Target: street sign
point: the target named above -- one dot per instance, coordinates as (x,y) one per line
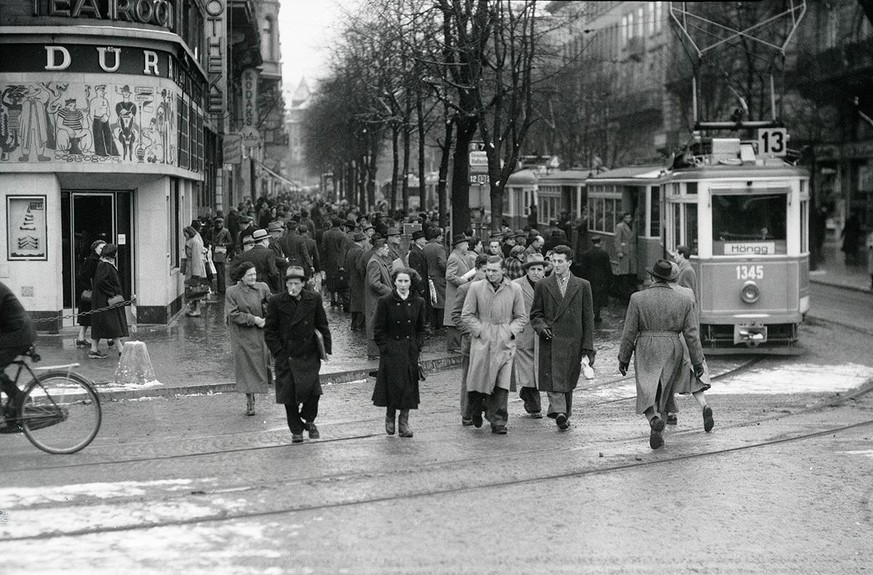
(232,149)
(478,159)
(251,137)
(480,179)
(477,146)
(772,141)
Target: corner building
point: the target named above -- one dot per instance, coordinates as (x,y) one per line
(104,134)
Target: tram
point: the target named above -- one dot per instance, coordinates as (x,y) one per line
(745,218)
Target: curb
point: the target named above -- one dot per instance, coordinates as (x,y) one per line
(213,388)
(837,284)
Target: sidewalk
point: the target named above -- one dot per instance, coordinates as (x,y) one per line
(193,355)
(835,272)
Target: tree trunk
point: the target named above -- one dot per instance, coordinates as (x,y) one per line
(422,180)
(442,195)
(461,174)
(395,165)
(404,184)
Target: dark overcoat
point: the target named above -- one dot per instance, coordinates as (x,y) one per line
(290,334)
(418,262)
(111,323)
(335,245)
(85,281)
(597,270)
(436,270)
(378,283)
(357,273)
(571,319)
(398,329)
(264,261)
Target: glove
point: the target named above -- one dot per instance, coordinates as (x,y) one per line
(698,370)
(622,368)
(546,333)
(590,353)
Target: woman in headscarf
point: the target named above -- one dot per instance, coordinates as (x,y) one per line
(85,283)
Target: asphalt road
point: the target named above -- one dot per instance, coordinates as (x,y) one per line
(189,484)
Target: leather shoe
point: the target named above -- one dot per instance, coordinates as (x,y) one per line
(536,415)
(656,441)
(562,422)
(499,429)
(708,422)
(477,419)
(672,419)
(296,438)
(466,421)
(313,431)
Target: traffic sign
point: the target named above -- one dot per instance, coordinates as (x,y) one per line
(479,159)
(480,179)
(772,142)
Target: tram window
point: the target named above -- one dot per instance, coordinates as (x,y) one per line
(655,221)
(743,224)
(804,226)
(691,227)
(677,225)
(691,188)
(609,215)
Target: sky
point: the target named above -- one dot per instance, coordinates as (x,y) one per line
(306,30)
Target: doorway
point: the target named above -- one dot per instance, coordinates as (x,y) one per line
(88,216)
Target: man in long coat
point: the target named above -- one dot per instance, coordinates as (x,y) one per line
(459,270)
(264,260)
(336,245)
(524,368)
(495,315)
(457,308)
(357,272)
(435,253)
(418,262)
(687,276)
(563,316)
(377,284)
(656,317)
(292,319)
(625,244)
(597,269)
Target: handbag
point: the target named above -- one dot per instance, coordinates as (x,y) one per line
(115,300)
(86,295)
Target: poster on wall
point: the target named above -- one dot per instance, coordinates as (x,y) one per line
(27,235)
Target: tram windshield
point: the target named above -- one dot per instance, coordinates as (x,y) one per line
(749,224)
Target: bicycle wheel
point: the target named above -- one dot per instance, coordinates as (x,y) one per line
(60,412)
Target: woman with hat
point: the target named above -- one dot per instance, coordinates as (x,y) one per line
(245,305)
(85,287)
(111,323)
(398,328)
(656,317)
(195,270)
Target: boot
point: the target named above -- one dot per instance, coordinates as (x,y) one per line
(250,404)
(389,420)
(403,423)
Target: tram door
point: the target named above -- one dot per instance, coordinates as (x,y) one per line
(87,217)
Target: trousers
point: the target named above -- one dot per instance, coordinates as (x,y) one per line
(299,415)
(496,405)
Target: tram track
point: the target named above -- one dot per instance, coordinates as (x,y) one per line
(748,364)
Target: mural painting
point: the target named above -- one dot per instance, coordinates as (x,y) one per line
(67,122)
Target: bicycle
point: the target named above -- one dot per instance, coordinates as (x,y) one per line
(59,411)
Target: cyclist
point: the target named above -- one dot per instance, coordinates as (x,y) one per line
(17,334)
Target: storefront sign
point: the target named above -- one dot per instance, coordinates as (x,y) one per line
(27,235)
(80,58)
(216,59)
(232,149)
(161,13)
(250,98)
(749,248)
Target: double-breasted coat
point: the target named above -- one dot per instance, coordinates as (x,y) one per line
(527,346)
(495,318)
(571,319)
(378,283)
(335,245)
(398,328)
(111,323)
(357,273)
(264,260)
(290,334)
(251,357)
(625,244)
(654,321)
(456,266)
(436,270)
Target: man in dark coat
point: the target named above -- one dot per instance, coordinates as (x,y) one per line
(356,272)
(16,336)
(335,245)
(418,262)
(294,248)
(378,283)
(264,260)
(435,253)
(597,269)
(563,316)
(293,317)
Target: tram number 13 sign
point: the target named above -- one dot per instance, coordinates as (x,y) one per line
(772,142)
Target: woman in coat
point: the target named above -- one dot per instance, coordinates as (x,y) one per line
(245,305)
(112,323)
(398,328)
(195,269)
(85,281)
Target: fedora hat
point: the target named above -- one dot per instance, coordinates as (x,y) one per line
(534,260)
(664,270)
(417,234)
(259,235)
(392,232)
(248,240)
(520,234)
(276,226)
(359,237)
(295,272)
(458,238)
(378,242)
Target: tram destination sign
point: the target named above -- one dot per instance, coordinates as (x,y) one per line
(749,248)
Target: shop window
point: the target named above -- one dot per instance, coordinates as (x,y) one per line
(655,213)
(175,223)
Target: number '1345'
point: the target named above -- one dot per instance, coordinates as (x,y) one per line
(750,272)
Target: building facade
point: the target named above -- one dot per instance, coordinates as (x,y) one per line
(111,127)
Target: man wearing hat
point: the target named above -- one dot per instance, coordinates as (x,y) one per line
(524,367)
(335,244)
(222,243)
(290,324)
(656,318)
(378,283)
(460,269)
(246,227)
(563,316)
(263,259)
(418,262)
(395,254)
(357,273)
(597,269)
(435,253)
(625,244)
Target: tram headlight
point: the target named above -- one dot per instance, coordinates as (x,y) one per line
(750,292)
